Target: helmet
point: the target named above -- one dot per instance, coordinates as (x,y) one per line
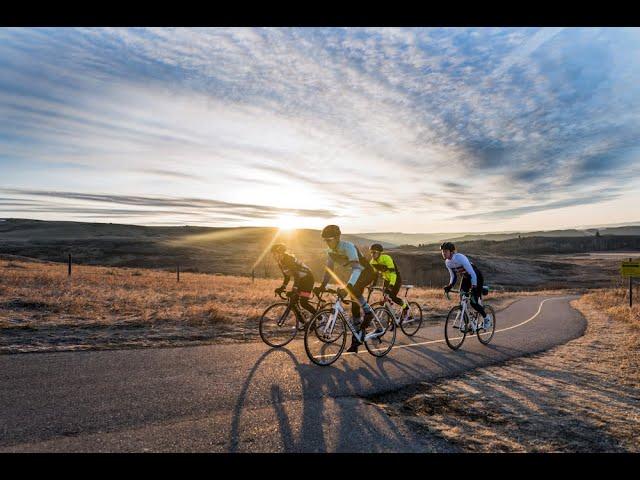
(447,246)
(331,231)
(278,248)
(376,247)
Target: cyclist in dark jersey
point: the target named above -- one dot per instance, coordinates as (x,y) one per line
(303,279)
(472,278)
(362,274)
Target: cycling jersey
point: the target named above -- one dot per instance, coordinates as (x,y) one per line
(346,253)
(385,265)
(459,264)
(292,267)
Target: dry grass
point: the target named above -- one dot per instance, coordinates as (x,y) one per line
(583,396)
(41,307)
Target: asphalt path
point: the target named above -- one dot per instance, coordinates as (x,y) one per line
(249,397)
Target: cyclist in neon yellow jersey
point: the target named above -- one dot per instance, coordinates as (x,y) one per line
(385,266)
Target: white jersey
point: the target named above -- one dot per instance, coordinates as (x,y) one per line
(461,265)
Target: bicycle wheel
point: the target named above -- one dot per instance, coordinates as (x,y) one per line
(325,337)
(454,328)
(485,336)
(278,325)
(382,344)
(412,324)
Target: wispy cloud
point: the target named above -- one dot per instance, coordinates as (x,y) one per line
(331,122)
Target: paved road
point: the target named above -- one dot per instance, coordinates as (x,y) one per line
(247,397)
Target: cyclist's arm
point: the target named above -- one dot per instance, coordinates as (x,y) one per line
(356,270)
(452,276)
(327,276)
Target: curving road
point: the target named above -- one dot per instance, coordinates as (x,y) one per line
(247,397)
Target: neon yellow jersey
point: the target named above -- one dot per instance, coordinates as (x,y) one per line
(386,267)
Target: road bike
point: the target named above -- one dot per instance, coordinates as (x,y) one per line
(463,319)
(326,334)
(280,322)
(409,322)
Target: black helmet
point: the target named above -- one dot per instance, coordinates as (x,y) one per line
(447,246)
(331,231)
(376,247)
(278,248)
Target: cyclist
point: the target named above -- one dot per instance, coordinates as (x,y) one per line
(362,274)
(472,278)
(385,266)
(303,279)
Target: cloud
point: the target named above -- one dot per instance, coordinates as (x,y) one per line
(347,121)
(177,205)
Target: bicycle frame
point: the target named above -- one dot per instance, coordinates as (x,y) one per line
(387,302)
(339,309)
(468,315)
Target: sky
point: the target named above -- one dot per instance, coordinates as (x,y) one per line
(375,129)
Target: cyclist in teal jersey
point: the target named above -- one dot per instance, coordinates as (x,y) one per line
(362,274)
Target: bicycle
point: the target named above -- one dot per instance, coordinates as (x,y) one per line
(277,326)
(326,334)
(463,319)
(409,323)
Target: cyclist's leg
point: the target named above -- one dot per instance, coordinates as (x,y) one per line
(305,286)
(366,277)
(392,291)
(477,293)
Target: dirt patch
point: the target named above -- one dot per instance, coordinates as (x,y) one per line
(583,396)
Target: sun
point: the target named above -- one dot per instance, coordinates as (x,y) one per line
(287,222)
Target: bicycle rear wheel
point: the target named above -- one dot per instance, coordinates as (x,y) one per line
(412,324)
(382,344)
(324,342)
(455,328)
(278,325)
(485,336)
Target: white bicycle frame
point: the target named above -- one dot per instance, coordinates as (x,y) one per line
(338,308)
(465,308)
(387,302)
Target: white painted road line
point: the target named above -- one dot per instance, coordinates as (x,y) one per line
(497,331)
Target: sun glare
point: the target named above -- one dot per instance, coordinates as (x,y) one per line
(287,222)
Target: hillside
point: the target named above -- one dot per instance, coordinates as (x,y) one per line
(196,249)
(428,238)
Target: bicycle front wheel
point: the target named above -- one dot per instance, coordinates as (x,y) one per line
(385,336)
(485,336)
(455,328)
(278,325)
(413,322)
(325,337)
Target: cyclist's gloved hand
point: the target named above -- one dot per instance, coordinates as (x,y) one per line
(342,292)
(318,290)
(447,288)
(380,267)
(280,289)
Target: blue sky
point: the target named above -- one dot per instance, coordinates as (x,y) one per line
(410,130)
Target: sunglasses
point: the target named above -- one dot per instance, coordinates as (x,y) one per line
(330,239)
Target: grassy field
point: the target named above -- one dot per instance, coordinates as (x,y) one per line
(42,309)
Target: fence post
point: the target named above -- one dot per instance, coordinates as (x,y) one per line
(253,275)
(630,289)
(69,271)
(178,272)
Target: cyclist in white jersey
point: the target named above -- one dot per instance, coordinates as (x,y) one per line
(472,279)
